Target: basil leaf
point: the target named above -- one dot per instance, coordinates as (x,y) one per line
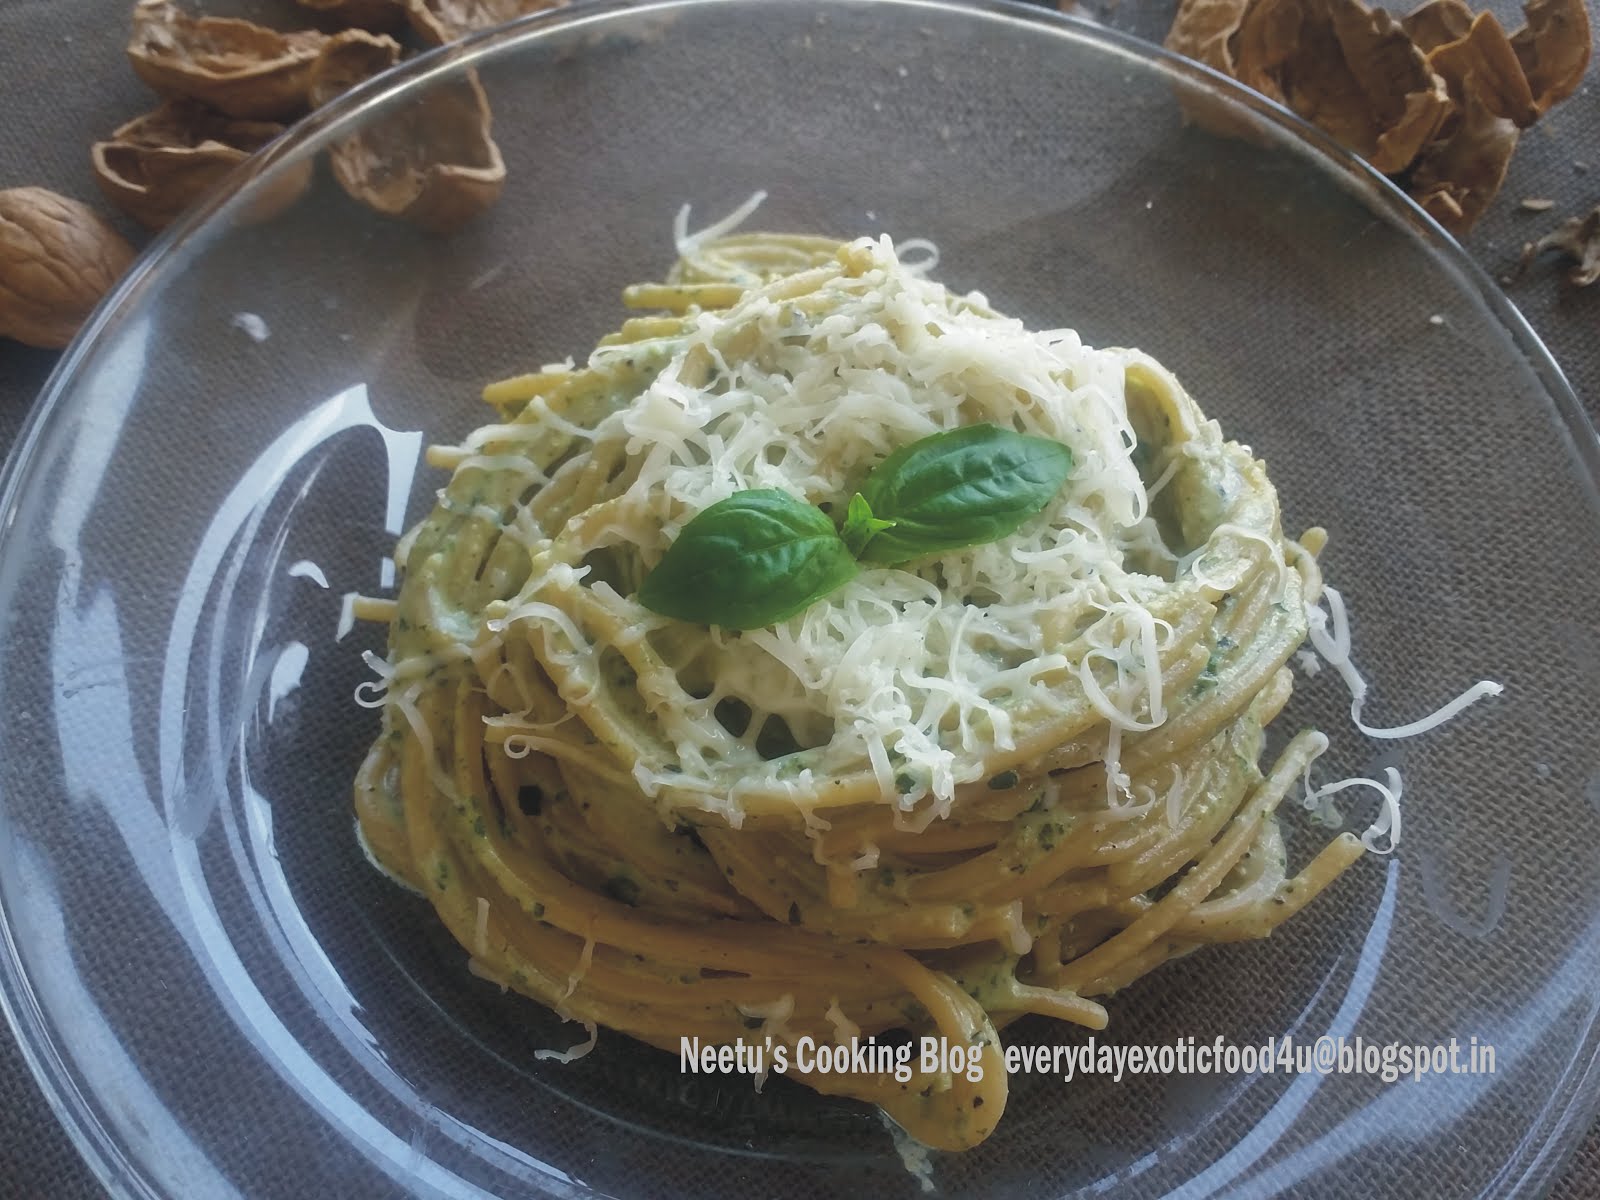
(962,488)
(749,561)
(860,526)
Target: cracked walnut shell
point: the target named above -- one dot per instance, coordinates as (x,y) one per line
(235,67)
(1434,99)
(431,160)
(159,164)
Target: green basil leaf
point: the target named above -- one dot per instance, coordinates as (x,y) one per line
(962,488)
(860,526)
(749,561)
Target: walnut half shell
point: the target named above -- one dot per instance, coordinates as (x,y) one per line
(236,67)
(1458,175)
(349,58)
(1577,238)
(159,164)
(430,161)
(442,21)
(1553,48)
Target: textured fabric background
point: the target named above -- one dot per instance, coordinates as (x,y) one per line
(63,81)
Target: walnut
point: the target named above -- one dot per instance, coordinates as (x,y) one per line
(1434,99)
(1577,238)
(1204,30)
(1437,22)
(57,259)
(441,21)
(1459,174)
(1553,48)
(159,164)
(236,67)
(431,161)
(375,16)
(1349,69)
(1482,63)
(349,58)
(1498,86)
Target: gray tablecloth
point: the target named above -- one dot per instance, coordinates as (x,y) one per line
(63,81)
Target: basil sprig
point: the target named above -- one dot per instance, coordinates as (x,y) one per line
(860,525)
(761,556)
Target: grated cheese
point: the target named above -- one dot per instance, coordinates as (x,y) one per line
(688,244)
(1175,797)
(585,961)
(845,1030)
(920,672)
(1388,822)
(1018,940)
(897,668)
(1330,634)
(573,1053)
(774,1027)
(916,1158)
(1318,800)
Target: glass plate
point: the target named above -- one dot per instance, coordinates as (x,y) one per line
(220,996)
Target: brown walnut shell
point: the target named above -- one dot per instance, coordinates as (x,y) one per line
(1482,62)
(1437,22)
(1553,48)
(1577,238)
(431,161)
(1348,69)
(236,67)
(157,165)
(1433,100)
(1459,174)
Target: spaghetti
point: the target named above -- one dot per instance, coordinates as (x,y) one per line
(1006,780)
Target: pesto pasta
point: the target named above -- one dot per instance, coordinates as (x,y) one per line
(1007,778)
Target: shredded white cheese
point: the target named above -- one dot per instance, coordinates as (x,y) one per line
(688,244)
(1018,940)
(1308,662)
(585,960)
(916,671)
(573,1053)
(1175,797)
(916,1158)
(774,1028)
(306,569)
(845,1030)
(1330,634)
(251,325)
(370,693)
(1318,801)
(1388,822)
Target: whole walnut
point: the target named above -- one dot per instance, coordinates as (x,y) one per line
(57,258)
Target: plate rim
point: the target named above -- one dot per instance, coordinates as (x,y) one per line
(1539,1156)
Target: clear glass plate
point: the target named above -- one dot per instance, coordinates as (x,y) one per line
(220,996)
